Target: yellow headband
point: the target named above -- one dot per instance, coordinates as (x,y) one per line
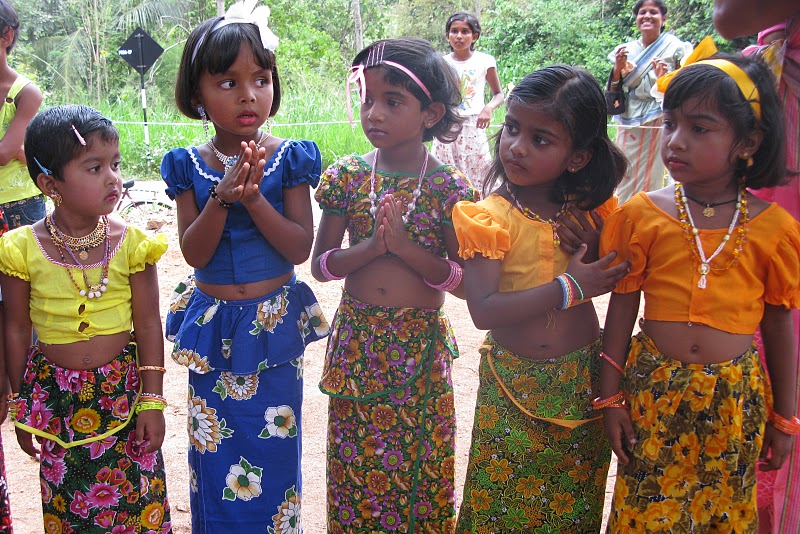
(706,48)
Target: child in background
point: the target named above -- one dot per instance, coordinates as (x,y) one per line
(714,262)
(538,460)
(470,151)
(89,390)
(241,324)
(391,418)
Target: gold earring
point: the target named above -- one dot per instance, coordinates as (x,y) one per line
(748,158)
(56,198)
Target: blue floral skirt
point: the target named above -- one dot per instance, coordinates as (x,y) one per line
(245,400)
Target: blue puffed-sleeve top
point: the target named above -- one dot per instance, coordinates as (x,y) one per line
(243,254)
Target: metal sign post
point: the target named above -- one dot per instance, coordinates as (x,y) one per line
(141,51)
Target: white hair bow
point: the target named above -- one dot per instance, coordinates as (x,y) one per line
(245,12)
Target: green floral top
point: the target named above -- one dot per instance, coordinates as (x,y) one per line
(345,187)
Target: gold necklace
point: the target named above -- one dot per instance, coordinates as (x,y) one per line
(529,213)
(91,290)
(82,244)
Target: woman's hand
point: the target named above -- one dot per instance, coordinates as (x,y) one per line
(775,449)
(485,117)
(151,428)
(575,229)
(660,67)
(596,278)
(621,65)
(25,440)
(619,431)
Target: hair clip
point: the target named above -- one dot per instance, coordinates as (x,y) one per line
(81,140)
(44,169)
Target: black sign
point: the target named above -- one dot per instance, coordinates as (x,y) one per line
(140,51)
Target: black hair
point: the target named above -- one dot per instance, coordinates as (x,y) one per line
(8,20)
(717,89)
(214,55)
(471,20)
(660,4)
(52,142)
(419,56)
(574,98)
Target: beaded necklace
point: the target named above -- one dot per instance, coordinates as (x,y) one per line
(230,161)
(693,234)
(91,291)
(82,244)
(373,209)
(529,213)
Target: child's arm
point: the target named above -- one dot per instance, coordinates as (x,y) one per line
(485,117)
(776,334)
(490,308)
(16,296)
(28,101)
(623,309)
(150,424)
(5,385)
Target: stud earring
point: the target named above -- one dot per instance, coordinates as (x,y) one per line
(203,117)
(56,197)
(571,169)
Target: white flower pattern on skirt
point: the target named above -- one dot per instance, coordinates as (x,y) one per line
(288,518)
(243,481)
(205,431)
(281,423)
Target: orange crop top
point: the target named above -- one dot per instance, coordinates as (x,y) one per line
(495,229)
(664,267)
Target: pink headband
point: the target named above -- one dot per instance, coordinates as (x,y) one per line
(374,59)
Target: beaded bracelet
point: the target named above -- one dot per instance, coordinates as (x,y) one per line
(323,265)
(611,360)
(213,192)
(142,406)
(11,396)
(153,396)
(152,368)
(577,286)
(453,279)
(787,426)
(614,401)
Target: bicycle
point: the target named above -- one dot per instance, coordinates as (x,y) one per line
(144,201)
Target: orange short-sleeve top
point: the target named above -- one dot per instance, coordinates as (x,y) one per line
(495,229)
(665,268)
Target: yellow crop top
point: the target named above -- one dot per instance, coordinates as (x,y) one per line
(495,229)
(663,266)
(54,301)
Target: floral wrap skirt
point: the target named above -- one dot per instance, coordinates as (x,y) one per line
(699,432)
(469,153)
(539,459)
(245,359)
(5,507)
(94,476)
(391,420)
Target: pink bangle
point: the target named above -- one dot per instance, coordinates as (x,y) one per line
(323,265)
(453,279)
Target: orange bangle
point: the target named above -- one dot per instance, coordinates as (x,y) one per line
(158,368)
(787,426)
(611,360)
(615,401)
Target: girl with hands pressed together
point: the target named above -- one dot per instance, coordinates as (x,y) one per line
(538,460)
(695,412)
(241,323)
(391,418)
(90,390)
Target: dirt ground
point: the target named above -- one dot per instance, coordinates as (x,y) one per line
(22,471)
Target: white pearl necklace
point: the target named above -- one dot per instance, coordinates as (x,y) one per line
(411,205)
(230,161)
(705,266)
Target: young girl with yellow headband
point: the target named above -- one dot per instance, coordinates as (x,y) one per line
(695,412)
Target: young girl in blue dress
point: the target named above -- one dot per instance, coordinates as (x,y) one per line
(241,324)
(90,389)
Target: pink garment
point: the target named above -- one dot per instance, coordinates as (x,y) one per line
(779,491)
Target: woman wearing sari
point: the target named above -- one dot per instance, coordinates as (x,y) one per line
(637,64)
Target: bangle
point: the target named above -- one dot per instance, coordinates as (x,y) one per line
(152,368)
(453,279)
(613,83)
(613,362)
(577,286)
(614,401)
(787,426)
(323,265)
(153,396)
(569,295)
(142,406)
(213,192)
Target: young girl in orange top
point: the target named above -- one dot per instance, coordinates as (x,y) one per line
(538,459)
(714,263)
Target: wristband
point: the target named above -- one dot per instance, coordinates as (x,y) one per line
(613,362)
(453,279)
(213,192)
(323,265)
(152,368)
(614,401)
(575,282)
(149,405)
(787,426)
(566,287)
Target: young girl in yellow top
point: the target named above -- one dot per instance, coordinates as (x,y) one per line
(714,263)
(89,390)
(538,461)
